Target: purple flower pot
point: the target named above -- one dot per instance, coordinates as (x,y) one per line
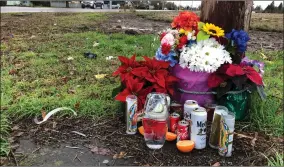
(192,86)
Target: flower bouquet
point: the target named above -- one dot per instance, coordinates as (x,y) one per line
(207,61)
(139,78)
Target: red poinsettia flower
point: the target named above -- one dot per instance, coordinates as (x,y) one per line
(186,20)
(162,35)
(126,68)
(135,87)
(170,80)
(153,70)
(231,70)
(242,69)
(182,41)
(166,48)
(215,79)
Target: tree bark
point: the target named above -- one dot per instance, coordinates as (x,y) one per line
(227,14)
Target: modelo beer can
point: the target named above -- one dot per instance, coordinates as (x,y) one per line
(174,119)
(198,127)
(131,113)
(182,130)
(189,105)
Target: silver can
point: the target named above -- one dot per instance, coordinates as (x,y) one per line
(198,127)
(131,113)
(189,105)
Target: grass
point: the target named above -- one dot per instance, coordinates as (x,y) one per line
(39,79)
(259,21)
(37,75)
(4,133)
(276,160)
(267,115)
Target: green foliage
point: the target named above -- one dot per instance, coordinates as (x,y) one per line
(200,25)
(202,36)
(4,133)
(267,115)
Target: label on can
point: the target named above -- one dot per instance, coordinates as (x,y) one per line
(132,117)
(198,127)
(174,118)
(225,138)
(189,106)
(182,130)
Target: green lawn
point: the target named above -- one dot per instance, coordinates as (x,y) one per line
(37,75)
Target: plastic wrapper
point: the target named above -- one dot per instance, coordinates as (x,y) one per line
(192,86)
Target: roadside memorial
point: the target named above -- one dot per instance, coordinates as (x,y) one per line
(200,67)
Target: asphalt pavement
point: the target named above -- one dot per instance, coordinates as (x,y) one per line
(15,9)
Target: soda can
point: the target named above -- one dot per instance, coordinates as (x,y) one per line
(189,105)
(226,134)
(182,130)
(131,113)
(198,127)
(174,118)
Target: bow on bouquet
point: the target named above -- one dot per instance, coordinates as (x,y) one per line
(139,78)
(205,47)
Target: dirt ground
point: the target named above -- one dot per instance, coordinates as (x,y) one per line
(106,143)
(28,25)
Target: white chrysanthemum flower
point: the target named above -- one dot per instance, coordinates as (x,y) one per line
(190,35)
(205,56)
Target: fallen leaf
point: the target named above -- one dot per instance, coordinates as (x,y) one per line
(105,161)
(263,56)
(254,139)
(16,127)
(71,91)
(19,134)
(120,155)
(65,79)
(70,58)
(100,76)
(12,72)
(216,164)
(77,105)
(43,114)
(242,136)
(95,44)
(100,151)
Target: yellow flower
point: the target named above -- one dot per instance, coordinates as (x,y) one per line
(181,31)
(211,29)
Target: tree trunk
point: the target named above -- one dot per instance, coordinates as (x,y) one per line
(227,14)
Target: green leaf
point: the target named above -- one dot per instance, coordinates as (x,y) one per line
(200,25)
(202,36)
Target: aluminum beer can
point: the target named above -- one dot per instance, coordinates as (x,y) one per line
(189,105)
(198,127)
(174,118)
(182,130)
(131,114)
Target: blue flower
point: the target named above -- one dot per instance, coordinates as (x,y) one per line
(191,42)
(170,57)
(239,39)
